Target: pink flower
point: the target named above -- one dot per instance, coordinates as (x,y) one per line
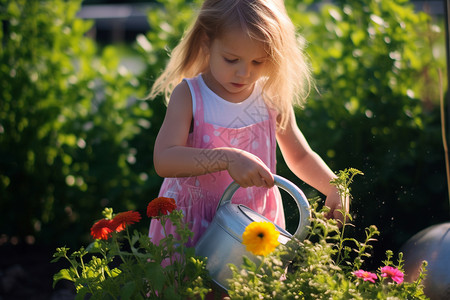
(393,273)
(367,276)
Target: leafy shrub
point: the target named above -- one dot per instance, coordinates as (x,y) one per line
(77,135)
(327,265)
(376,109)
(68,117)
(121,265)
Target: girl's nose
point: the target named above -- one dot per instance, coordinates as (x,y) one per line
(243,70)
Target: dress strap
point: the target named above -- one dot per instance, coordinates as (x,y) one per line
(197,101)
(197,113)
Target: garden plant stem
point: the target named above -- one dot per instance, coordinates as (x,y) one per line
(444,135)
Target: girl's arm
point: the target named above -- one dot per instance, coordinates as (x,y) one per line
(308,165)
(172,158)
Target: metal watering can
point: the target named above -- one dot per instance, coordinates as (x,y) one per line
(222,241)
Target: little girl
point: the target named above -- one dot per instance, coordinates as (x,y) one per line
(232,81)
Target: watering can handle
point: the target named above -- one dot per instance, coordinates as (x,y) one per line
(291,189)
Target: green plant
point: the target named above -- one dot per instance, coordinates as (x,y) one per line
(40,44)
(70,115)
(120,265)
(375,64)
(325,266)
(76,136)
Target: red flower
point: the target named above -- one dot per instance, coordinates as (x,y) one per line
(102,229)
(393,273)
(121,220)
(160,206)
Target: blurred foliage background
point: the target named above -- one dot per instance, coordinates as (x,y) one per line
(77,134)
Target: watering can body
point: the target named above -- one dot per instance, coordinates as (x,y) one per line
(222,241)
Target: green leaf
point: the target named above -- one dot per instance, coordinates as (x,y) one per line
(171,294)
(127,290)
(155,274)
(115,272)
(94,247)
(248,263)
(63,274)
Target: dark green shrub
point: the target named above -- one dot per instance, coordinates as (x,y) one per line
(375,110)
(378,110)
(75,134)
(68,115)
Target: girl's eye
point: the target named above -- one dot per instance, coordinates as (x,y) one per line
(257,62)
(230,60)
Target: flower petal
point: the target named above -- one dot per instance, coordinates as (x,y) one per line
(122,220)
(102,229)
(160,206)
(260,238)
(393,273)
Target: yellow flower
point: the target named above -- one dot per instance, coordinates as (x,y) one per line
(260,238)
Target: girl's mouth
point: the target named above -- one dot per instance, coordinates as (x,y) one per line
(238,85)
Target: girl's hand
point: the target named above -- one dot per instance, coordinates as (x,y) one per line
(337,207)
(247,169)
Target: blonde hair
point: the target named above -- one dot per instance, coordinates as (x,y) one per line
(288,79)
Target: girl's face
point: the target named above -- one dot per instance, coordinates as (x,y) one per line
(236,62)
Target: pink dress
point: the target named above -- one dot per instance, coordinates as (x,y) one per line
(198,196)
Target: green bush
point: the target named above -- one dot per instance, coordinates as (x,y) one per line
(377,110)
(68,117)
(76,134)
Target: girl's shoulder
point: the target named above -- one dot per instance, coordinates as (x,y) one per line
(181,97)
(186,88)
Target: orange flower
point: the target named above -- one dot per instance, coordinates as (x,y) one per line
(260,238)
(121,220)
(160,206)
(102,229)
